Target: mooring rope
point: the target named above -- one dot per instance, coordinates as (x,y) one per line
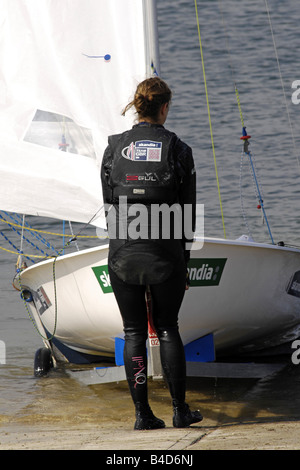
(72,239)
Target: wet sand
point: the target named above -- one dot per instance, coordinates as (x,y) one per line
(238,415)
(273,435)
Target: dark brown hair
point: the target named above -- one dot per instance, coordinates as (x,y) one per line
(149,96)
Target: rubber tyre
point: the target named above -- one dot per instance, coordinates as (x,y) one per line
(42,362)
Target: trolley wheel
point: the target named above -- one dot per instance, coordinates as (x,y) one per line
(42,362)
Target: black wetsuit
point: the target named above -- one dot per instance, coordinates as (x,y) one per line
(159,264)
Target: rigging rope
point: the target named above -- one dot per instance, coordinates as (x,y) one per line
(37,235)
(49,233)
(231,66)
(245,139)
(209,116)
(15,217)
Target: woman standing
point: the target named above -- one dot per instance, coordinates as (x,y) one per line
(148,167)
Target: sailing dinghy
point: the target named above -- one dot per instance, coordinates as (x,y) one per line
(80,62)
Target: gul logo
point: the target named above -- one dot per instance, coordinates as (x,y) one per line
(101,273)
(206,271)
(144,177)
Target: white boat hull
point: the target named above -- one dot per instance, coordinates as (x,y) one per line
(245,294)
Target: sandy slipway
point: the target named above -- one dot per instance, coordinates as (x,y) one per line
(271,435)
(63,414)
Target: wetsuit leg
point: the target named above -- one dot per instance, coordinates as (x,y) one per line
(166,299)
(132,304)
(166,302)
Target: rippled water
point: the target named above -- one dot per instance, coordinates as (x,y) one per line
(250,52)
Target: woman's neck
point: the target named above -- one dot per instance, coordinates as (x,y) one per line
(160,118)
(149,120)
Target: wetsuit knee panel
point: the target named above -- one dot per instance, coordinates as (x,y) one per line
(137,334)
(167,334)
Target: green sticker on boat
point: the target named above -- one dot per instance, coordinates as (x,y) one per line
(101,273)
(206,271)
(202,272)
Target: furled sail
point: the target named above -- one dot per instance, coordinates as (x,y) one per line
(67,68)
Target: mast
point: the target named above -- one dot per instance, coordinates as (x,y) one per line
(151,37)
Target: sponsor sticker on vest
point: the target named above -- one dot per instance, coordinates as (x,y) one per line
(101,273)
(206,271)
(143,151)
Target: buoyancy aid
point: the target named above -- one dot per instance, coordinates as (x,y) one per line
(129,162)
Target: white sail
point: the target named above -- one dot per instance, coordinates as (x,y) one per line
(82,62)
(73,65)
